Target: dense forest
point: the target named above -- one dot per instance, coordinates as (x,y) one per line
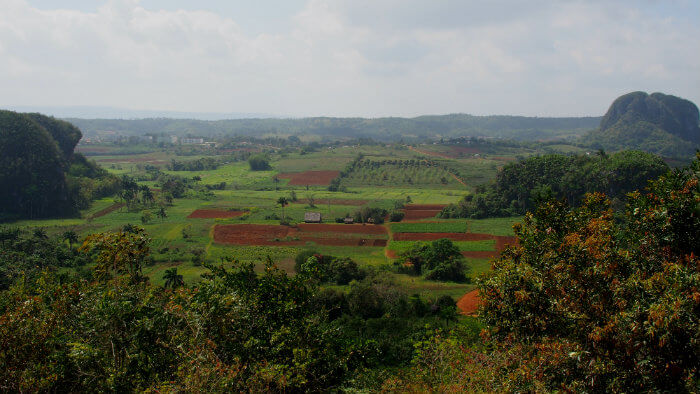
(519,187)
(552,320)
(384,129)
(40,174)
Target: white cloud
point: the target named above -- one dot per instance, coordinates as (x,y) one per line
(350,58)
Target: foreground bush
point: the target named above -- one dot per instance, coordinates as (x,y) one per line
(586,303)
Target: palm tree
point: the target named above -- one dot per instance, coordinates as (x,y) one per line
(283,202)
(71,237)
(172,279)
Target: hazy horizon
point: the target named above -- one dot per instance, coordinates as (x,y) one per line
(307,58)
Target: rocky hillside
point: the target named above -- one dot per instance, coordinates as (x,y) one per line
(658,123)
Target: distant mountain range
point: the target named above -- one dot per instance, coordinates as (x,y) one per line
(97,112)
(382,129)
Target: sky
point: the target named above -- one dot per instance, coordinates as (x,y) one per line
(367,58)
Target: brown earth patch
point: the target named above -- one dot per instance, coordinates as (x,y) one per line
(254,234)
(107,210)
(469,303)
(380,242)
(420,214)
(317,178)
(342,228)
(435,236)
(274,235)
(333,201)
(214,214)
(422,211)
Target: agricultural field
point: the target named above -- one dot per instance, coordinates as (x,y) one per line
(232,213)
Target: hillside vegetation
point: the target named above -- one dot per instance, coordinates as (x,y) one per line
(658,123)
(519,187)
(39,173)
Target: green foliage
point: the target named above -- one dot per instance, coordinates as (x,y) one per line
(521,186)
(117,253)
(616,302)
(370,215)
(438,260)
(24,256)
(259,163)
(327,269)
(172,279)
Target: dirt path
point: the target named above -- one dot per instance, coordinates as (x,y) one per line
(107,210)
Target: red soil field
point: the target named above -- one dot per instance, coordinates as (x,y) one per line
(253,234)
(342,228)
(260,234)
(421,211)
(319,178)
(420,214)
(434,236)
(469,303)
(333,201)
(214,214)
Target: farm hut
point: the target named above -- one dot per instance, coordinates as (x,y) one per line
(348,220)
(312,217)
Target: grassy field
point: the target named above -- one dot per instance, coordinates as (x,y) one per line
(176,240)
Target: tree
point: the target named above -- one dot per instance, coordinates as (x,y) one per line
(162,214)
(172,279)
(146,195)
(259,163)
(71,237)
(117,253)
(146,216)
(439,260)
(283,202)
(613,301)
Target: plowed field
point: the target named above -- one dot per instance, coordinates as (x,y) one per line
(342,228)
(214,214)
(272,235)
(421,211)
(434,236)
(319,178)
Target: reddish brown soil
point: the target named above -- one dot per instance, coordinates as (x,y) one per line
(421,211)
(333,201)
(434,236)
(342,228)
(469,303)
(420,214)
(107,210)
(259,234)
(422,207)
(391,254)
(253,234)
(214,214)
(320,178)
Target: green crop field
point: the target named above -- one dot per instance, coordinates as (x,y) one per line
(177,240)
